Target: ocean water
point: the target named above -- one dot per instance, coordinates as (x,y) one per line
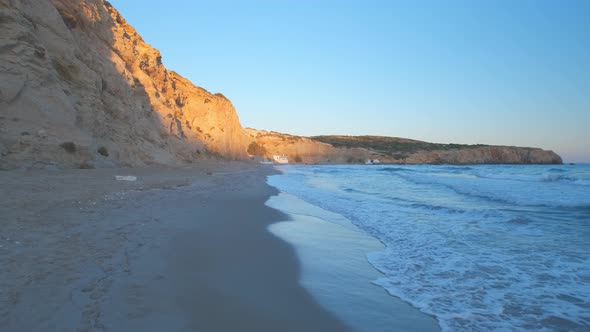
(479,247)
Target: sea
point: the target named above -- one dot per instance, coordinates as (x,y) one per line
(480,248)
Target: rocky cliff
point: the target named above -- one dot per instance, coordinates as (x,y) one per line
(483,155)
(395,150)
(80,88)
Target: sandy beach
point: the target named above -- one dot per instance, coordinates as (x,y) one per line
(212,247)
(176,250)
(283,166)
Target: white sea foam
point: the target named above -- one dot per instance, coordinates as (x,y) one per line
(479,247)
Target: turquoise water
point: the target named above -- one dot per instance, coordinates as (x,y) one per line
(478,247)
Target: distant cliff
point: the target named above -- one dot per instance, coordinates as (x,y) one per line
(356,149)
(80,88)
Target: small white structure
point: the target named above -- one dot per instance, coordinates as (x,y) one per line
(125,178)
(282,159)
(372,161)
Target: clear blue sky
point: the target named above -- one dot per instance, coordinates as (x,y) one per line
(496,72)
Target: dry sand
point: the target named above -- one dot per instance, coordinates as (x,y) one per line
(181,249)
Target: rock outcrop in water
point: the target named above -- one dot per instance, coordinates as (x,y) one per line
(79,87)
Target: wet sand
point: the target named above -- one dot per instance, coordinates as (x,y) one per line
(335,270)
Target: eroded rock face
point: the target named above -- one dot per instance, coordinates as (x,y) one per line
(75,71)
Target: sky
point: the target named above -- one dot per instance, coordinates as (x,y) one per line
(513,72)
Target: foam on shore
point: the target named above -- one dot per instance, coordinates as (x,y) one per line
(335,270)
(483,247)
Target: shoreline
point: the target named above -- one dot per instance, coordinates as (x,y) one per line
(180,249)
(455,238)
(336,271)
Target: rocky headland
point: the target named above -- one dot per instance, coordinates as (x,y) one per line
(392,150)
(80,88)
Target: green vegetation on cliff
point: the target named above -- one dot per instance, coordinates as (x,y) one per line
(387,145)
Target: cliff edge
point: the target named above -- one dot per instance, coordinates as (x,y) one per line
(79,87)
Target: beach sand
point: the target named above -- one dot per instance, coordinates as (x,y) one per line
(180,249)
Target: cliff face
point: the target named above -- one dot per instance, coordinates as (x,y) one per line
(484,155)
(357,149)
(76,72)
(80,88)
